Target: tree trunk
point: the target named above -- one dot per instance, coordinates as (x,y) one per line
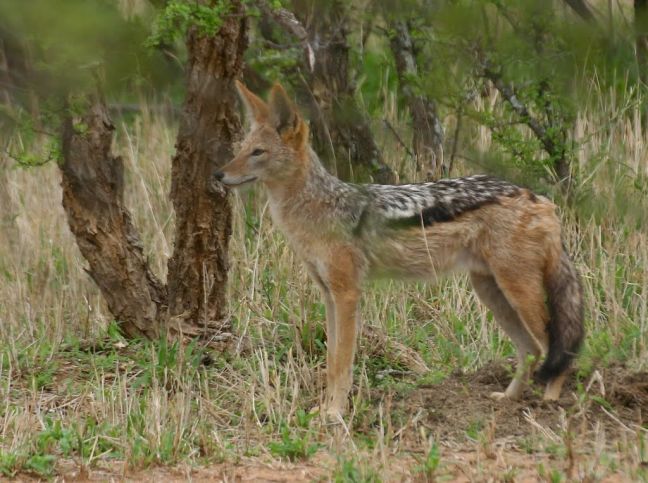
(17,77)
(341,131)
(208,127)
(5,79)
(427,138)
(641,39)
(93,198)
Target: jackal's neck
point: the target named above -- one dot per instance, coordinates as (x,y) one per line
(310,182)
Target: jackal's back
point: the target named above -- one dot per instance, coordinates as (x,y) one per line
(440,201)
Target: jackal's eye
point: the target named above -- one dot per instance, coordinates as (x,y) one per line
(258,152)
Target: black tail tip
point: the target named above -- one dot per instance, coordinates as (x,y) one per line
(553,367)
(544,375)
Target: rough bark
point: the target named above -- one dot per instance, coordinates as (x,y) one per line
(427,138)
(93,198)
(209,125)
(341,130)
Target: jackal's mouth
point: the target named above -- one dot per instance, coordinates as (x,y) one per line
(238,181)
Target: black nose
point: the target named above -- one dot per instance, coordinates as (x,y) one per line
(219,175)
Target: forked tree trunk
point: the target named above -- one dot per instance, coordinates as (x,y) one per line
(427,137)
(341,131)
(192,304)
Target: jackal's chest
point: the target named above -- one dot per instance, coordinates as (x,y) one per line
(306,233)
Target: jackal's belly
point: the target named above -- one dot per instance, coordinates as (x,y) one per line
(420,257)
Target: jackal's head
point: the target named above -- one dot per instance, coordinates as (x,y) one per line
(276,145)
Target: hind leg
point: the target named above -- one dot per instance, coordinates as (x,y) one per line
(490,294)
(527,297)
(554,387)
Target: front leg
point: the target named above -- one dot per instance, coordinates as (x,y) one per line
(340,369)
(339,279)
(329,304)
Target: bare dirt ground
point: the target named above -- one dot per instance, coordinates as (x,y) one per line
(453,405)
(479,439)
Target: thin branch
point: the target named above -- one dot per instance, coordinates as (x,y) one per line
(29,164)
(289,23)
(582,9)
(521,110)
(399,139)
(555,150)
(320,115)
(455,140)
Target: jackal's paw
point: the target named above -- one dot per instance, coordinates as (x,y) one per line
(510,394)
(551,397)
(498,396)
(330,415)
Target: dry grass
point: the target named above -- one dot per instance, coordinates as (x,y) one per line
(77,399)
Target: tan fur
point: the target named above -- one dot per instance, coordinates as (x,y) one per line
(509,247)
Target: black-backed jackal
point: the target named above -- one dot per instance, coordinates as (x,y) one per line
(506,237)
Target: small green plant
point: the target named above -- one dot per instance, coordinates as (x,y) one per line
(168,363)
(179,15)
(551,475)
(474,429)
(55,435)
(9,464)
(303,418)
(428,467)
(41,464)
(44,377)
(293,447)
(349,472)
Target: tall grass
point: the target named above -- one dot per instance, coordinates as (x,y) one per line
(72,388)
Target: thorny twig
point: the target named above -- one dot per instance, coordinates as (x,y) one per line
(26,164)
(399,139)
(455,141)
(287,20)
(555,150)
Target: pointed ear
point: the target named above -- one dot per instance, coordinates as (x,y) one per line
(283,115)
(255,109)
(285,118)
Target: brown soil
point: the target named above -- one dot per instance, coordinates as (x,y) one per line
(245,471)
(462,401)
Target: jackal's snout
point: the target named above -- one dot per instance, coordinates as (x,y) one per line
(234,173)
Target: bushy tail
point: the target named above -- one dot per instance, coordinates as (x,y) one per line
(566,330)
